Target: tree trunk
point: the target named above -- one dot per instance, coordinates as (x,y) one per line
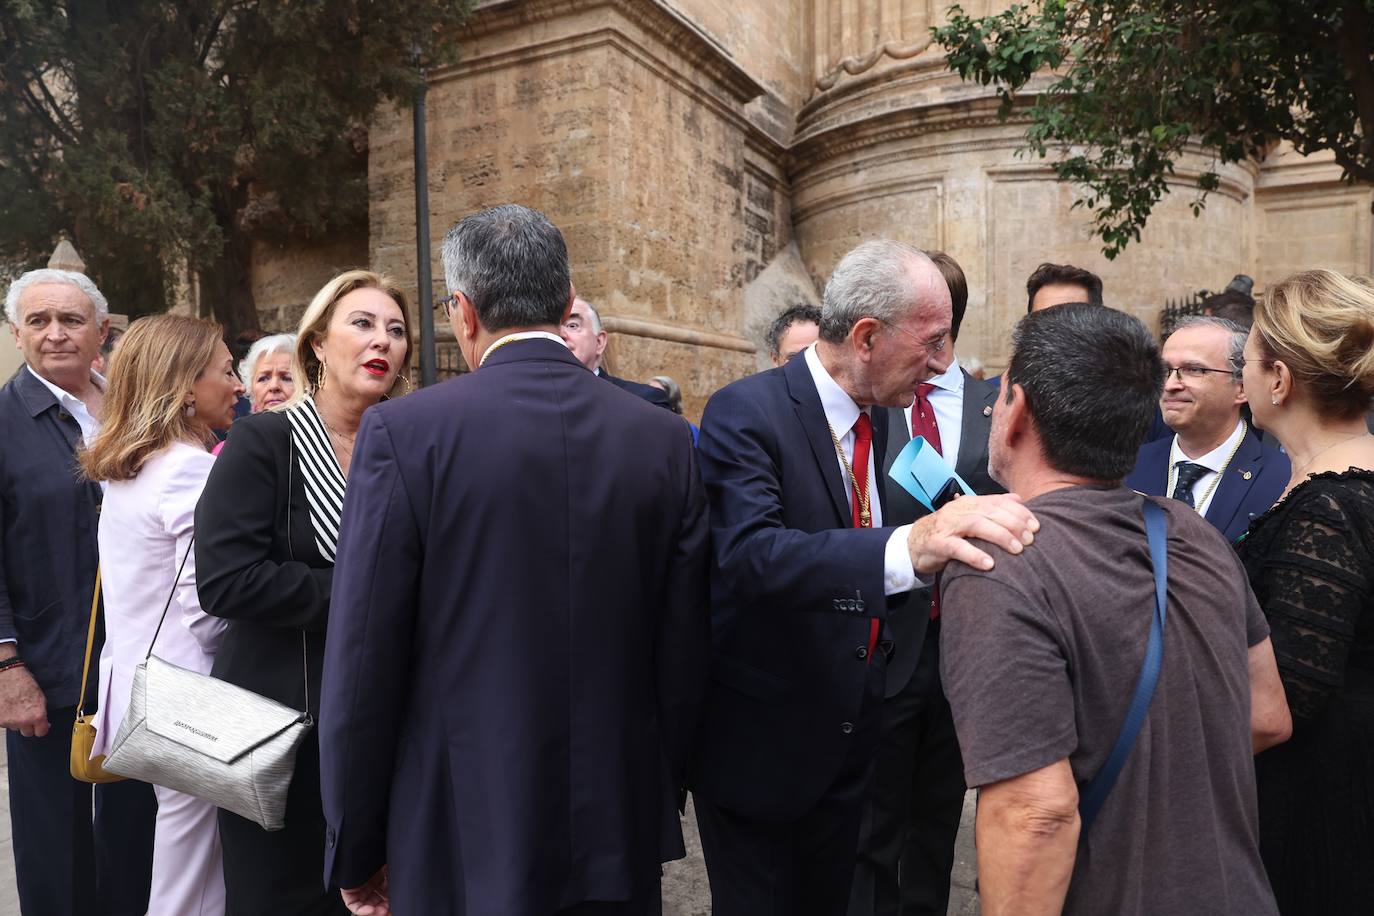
(226,288)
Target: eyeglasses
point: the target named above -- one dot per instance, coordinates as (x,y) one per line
(933,346)
(1192,372)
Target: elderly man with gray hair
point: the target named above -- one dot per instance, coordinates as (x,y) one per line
(1215,461)
(66,861)
(806,572)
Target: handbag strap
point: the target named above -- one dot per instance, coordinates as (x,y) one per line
(90,642)
(170,595)
(1096,792)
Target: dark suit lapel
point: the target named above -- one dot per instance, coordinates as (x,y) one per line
(1234,487)
(39,401)
(811,415)
(973,435)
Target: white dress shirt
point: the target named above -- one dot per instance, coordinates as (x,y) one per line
(1214,461)
(947,400)
(146,525)
(842,413)
(74,405)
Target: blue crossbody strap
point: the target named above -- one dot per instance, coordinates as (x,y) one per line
(1096,792)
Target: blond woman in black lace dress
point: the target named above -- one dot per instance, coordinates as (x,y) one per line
(1309,377)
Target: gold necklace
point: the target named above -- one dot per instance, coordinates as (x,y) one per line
(1313,460)
(865,519)
(1173,469)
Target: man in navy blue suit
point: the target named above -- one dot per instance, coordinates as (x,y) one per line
(1214,462)
(519,636)
(805,572)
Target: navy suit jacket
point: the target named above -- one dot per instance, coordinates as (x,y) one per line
(793,592)
(48,553)
(1252,482)
(648,392)
(518,641)
(908,624)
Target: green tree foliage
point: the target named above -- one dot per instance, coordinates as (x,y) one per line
(168,133)
(1122,86)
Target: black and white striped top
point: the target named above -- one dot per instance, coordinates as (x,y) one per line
(324,479)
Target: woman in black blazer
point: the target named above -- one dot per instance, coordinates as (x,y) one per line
(266,530)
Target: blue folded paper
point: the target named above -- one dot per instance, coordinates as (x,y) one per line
(924,473)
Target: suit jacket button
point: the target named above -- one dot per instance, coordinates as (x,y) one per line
(847,728)
(861,652)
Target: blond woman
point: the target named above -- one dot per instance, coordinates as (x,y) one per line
(171,383)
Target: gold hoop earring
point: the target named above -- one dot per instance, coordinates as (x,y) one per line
(319,376)
(406,379)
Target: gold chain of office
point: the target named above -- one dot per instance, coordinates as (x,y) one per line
(1173,469)
(865,518)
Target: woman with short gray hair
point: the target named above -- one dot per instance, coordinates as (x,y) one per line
(267,371)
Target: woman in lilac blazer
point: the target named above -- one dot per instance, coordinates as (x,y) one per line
(171,383)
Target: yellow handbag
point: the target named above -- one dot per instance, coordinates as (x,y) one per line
(83,732)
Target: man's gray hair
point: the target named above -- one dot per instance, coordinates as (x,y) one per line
(512,263)
(1235,351)
(273,343)
(593,314)
(872,281)
(51,275)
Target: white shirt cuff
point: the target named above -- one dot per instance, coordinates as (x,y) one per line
(898,574)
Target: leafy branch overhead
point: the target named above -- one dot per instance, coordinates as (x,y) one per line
(176,133)
(1120,89)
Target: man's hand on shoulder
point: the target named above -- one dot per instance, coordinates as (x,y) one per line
(22,706)
(943,536)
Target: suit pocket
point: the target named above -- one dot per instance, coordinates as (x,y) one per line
(20,615)
(749,680)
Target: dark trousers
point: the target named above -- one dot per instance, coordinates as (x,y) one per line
(911,819)
(281,871)
(801,867)
(648,903)
(77,852)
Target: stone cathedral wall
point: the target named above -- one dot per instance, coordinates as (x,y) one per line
(710,160)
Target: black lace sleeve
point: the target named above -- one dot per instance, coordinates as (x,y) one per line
(1315,584)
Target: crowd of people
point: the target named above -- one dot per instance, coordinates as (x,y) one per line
(525,612)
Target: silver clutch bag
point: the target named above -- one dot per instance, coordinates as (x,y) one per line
(209,738)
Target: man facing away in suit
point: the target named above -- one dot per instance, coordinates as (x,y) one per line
(1214,462)
(807,568)
(519,636)
(584,335)
(911,817)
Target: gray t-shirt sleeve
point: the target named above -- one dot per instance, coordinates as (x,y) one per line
(1005,673)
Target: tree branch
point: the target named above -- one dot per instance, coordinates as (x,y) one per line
(1352,43)
(37,107)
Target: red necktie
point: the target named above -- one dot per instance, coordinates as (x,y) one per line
(863,447)
(923,417)
(923,424)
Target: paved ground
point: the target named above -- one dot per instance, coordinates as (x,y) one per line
(9,899)
(685,891)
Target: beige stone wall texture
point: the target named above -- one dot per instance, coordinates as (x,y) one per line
(710,160)
(286,276)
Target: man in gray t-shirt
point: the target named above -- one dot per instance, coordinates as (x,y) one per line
(1041,655)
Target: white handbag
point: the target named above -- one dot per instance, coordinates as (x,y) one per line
(209,738)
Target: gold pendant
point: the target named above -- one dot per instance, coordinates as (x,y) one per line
(865,519)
